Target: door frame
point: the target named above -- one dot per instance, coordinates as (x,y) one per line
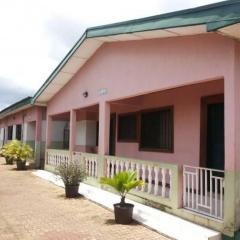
(113,116)
(219,98)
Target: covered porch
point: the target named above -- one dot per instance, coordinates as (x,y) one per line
(173,139)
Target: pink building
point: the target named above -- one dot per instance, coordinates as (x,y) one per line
(25,122)
(160,96)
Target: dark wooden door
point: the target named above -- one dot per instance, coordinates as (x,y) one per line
(215,136)
(112,137)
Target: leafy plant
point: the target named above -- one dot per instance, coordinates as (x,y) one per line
(122,182)
(3,152)
(16,150)
(9,149)
(72,172)
(23,152)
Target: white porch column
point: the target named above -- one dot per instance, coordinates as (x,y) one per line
(49,132)
(1,137)
(38,138)
(14,132)
(6,135)
(24,129)
(104,128)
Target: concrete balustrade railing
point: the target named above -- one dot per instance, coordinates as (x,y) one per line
(161,181)
(89,161)
(156,176)
(54,156)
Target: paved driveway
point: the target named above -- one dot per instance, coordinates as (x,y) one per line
(31,208)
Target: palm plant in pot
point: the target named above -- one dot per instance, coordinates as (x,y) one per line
(71,173)
(123,182)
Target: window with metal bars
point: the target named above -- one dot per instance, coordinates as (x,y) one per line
(156,130)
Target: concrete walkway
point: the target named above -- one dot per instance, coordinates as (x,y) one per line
(31,208)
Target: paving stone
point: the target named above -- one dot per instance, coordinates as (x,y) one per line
(31,208)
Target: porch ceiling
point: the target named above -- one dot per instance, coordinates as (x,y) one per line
(62,117)
(222,18)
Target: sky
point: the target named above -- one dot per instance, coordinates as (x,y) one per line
(37,34)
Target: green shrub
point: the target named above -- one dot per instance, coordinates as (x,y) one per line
(17,150)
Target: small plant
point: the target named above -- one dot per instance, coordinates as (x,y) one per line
(4,153)
(123,182)
(18,151)
(9,151)
(23,152)
(71,173)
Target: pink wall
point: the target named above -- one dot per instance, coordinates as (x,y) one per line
(30,114)
(186,102)
(131,68)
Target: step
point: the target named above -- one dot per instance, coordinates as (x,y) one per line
(167,224)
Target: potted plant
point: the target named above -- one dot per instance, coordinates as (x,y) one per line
(20,152)
(72,173)
(23,152)
(123,182)
(4,153)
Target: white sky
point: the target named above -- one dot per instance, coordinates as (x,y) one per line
(36,35)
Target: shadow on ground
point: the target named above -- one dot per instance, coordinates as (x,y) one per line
(79,196)
(112,222)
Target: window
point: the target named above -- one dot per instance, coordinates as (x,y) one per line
(19,132)
(10,132)
(127,127)
(66,133)
(157,130)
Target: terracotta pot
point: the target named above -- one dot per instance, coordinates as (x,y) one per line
(21,165)
(123,213)
(71,191)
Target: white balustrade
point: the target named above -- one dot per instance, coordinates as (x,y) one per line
(89,162)
(203,190)
(55,157)
(156,181)
(156,176)
(150,179)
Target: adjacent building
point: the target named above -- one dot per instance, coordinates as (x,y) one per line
(27,123)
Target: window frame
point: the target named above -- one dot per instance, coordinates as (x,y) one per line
(8,132)
(137,127)
(17,128)
(164,150)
